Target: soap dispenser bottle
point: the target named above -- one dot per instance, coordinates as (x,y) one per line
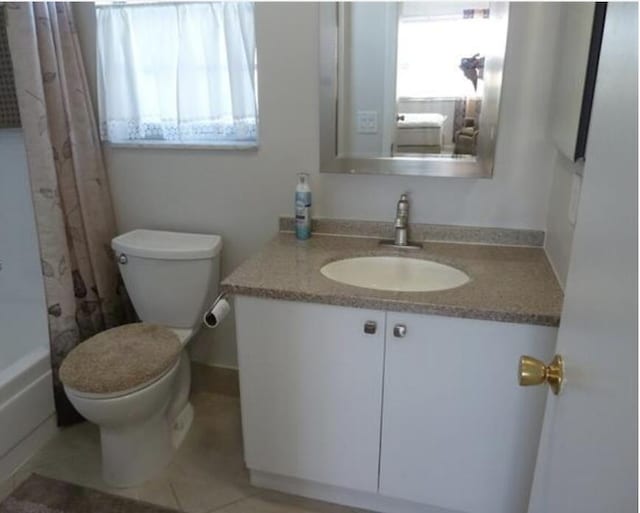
(303,207)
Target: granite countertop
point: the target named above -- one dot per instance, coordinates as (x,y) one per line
(508,283)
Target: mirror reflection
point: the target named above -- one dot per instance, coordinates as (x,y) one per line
(411,78)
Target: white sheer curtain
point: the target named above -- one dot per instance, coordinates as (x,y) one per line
(179,72)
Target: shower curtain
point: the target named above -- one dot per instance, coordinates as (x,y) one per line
(72,205)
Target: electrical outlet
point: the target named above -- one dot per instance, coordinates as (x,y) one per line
(367,122)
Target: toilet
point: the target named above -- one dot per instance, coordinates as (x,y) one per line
(133,381)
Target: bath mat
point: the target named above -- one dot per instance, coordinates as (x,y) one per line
(43,495)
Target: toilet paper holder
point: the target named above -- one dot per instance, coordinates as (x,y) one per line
(217,312)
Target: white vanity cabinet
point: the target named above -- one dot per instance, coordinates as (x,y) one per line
(422,419)
(457,430)
(311,390)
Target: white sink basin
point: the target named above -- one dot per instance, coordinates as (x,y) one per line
(394,273)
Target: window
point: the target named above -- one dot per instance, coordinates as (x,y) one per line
(177,73)
(432,46)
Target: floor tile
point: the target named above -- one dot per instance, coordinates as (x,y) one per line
(19,479)
(201,497)
(79,467)
(74,455)
(207,473)
(157,491)
(6,487)
(274,502)
(213,447)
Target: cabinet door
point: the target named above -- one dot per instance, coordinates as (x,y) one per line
(311,390)
(458,432)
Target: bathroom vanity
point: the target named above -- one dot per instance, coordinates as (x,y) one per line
(393,401)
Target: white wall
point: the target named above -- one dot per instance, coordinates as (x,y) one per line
(23,312)
(559,237)
(240,194)
(365,63)
(517,194)
(566,101)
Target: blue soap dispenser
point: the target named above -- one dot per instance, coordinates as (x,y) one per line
(303,207)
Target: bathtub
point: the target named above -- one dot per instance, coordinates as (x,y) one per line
(27,419)
(26,396)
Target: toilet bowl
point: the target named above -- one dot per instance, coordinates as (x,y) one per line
(133,381)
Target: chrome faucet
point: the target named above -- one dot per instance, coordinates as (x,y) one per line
(401,226)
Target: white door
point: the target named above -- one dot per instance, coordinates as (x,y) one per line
(587,460)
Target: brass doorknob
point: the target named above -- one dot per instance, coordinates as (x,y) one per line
(532,371)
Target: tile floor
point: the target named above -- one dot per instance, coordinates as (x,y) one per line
(207,472)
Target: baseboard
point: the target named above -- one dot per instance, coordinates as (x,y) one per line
(27,447)
(338,495)
(222,366)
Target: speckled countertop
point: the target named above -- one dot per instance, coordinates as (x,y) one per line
(508,283)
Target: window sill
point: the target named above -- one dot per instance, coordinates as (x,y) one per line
(161,145)
(411,99)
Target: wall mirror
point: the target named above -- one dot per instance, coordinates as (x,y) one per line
(411,88)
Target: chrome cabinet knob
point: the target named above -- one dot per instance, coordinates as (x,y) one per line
(399,331)
(122,259)
(370,327)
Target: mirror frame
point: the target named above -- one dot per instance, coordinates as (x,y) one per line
(479,167)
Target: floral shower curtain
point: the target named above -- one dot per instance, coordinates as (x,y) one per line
(73,209)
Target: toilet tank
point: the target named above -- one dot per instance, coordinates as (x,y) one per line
(171,277)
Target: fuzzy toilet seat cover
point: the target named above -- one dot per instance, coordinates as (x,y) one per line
(120,359)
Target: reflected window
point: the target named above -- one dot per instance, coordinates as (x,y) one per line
(439,80)
(433,47)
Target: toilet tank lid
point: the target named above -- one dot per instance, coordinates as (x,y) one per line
(165,245)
